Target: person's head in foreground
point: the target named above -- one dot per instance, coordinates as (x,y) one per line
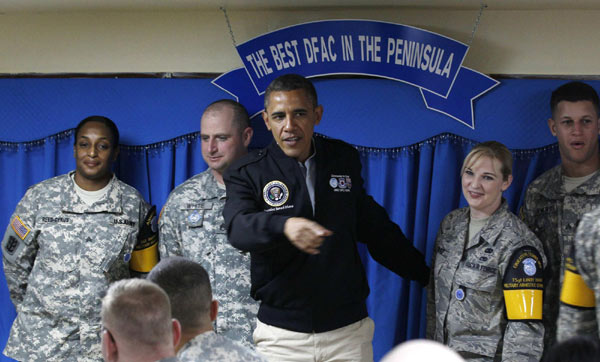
(137,323)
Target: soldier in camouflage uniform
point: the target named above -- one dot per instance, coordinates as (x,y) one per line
(188,287)
(485,292)
(556,200)
(191,223)
(582,272)
(61,251)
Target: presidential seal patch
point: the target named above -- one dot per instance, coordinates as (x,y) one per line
(275,193)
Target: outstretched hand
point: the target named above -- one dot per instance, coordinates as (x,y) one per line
(305,234)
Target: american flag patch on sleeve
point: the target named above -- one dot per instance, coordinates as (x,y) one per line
(20,229)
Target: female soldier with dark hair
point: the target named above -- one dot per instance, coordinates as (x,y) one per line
(485,291)
(68,239)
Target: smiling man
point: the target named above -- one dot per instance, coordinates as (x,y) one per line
(556,201)
(191,222)
(299,207)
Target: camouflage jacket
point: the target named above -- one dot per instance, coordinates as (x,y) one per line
(474,323)
(578,321)
(211,347)
(553,214)
(191,225)
(60,255)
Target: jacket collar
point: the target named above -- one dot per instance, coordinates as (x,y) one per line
(553,187)
(71,202)
(495,224)
(279,154)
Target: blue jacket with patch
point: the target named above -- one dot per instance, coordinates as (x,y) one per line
(298,291)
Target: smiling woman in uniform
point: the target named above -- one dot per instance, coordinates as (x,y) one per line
(485,291)
(68,239)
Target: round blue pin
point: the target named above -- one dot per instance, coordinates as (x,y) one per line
(459,294)
(194,217)
(126,257)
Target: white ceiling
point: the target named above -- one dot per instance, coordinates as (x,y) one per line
(11,6)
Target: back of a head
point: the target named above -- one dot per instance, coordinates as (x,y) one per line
(290,82)
(576,349)
(574,92)
(421,350)
(137,312)
(188,287)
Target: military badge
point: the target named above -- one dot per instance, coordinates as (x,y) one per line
(340,183)
(275,193)
(333,182)
(529,266)
(194,217)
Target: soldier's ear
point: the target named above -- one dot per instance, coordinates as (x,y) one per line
(214,309)
(552,126)
(176,332)
(247,136)
(506,183)
(109,347)
(115,153)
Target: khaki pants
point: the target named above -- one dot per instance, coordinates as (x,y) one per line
(350,343)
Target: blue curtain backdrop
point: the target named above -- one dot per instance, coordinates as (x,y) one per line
(417,182)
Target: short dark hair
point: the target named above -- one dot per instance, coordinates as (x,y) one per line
(188,287)
(112,127)
(240,114)
(575,349)
(290,82)
(574,92)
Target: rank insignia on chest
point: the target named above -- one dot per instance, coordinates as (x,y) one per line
(194,216)
(275,193)
(340,183)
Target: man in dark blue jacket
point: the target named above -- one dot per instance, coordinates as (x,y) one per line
(299,207)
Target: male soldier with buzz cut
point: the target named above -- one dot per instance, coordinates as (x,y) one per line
(137,324)
(187,285)
(556,201)
(191,222)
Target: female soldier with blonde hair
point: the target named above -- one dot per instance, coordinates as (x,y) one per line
(485,291)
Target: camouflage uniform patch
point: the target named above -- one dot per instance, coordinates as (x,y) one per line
(211,347)
(583,321)
(465,305)
(59,275)
(191,225)
(553,215)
